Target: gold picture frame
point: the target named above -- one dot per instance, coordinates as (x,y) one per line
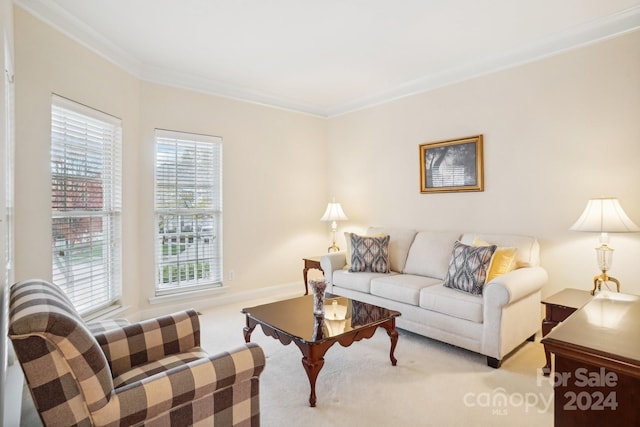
(452,166)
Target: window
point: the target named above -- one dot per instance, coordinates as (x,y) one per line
(188,208)
(86,204)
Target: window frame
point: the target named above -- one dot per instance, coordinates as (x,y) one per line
(193,273)
(99,285)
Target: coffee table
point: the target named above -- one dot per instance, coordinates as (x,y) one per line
(345,321)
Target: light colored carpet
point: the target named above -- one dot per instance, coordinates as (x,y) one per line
(433,384)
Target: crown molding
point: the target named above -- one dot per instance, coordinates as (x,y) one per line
(596,31)
(55,16)
(192,82)
(591,32)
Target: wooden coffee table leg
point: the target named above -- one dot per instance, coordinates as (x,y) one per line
(312,367)
(251,325)
(390,327)
(313,361)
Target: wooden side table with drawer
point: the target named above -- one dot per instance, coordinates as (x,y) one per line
(558,307)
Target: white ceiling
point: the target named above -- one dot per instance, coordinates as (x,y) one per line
(332,56)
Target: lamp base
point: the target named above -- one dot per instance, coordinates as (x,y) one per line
(333,248)
(603,278)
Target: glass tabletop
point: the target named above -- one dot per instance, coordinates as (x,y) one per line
(295,317)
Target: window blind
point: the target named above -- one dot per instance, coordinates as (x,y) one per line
(188,207)
(86,204)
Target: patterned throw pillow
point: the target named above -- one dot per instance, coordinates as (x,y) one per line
(369,254)
(468,267)
(347,238)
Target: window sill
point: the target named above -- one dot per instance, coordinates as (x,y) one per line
(160,299)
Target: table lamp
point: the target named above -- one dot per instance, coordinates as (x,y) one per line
(334,213)
(604,216)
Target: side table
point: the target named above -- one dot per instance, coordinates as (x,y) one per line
(597,364)
(558,307)
(309,263)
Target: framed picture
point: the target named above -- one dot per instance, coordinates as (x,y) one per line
(453,165)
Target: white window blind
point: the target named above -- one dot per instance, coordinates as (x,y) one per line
(86,204)
(188,207)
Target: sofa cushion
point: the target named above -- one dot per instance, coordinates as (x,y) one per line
(369,254)
(528,254)
(399,243)
(468,267)
(452,303)
(401,287)
(360,282)
(502,262)
(430,253)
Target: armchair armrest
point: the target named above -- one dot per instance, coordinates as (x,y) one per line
(514,285)
(149,340)
(159,394)
(331,262)
(98,326)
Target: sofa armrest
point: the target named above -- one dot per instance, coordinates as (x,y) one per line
(332,262)
(149,340)
(511,287)
(160,393)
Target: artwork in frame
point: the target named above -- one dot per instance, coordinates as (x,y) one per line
(452,165)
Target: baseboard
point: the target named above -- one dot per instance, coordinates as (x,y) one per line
(286,290)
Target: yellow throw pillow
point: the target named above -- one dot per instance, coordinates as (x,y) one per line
(503,260)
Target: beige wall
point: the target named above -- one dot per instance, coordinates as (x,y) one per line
(273,177)
(48,62)
(556,132)
(274,189)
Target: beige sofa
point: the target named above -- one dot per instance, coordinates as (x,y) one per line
(493,324)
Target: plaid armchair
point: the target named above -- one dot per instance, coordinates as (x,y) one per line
(148,373)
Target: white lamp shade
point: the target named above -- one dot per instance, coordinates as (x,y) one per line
(334,212)
(604,216)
